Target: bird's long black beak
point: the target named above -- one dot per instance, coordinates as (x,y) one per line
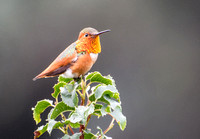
(101,32)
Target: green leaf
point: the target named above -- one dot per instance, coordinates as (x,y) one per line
(75,125)
(97,77)
(97,109)
(107,98)
(39,108)
(109,89)
(89,75)
(89,135)
(49,114)
(120,118)
(75,117)
(60,107)
(74,136)
(68,95)
(63,79)
(40,131)
(52,124)
(89,111)
(105,109)
(81,113)
(57,89)
(97,106)
(106,94)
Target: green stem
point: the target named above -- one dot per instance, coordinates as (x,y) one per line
(83,92)
(65,130)
(63,117)
(80,93)
(83,86)
(56,101)
(88,101)
(88,85)
(62,130)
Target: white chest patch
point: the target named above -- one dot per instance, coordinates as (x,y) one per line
(93,57)
(68,74)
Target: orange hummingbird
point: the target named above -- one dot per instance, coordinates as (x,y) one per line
(78,58)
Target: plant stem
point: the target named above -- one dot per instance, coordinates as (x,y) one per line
(62,130)
(70,128)
(82,101)
(88,119)
(63,117)
(83,86)
(110,126)
(83,92)
(80,93)
(88,101)
(82,127)
(56,101)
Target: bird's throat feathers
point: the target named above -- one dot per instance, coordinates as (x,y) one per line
(90,45)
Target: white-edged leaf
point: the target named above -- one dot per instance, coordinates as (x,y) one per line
(107,94)
(81,113)
(97,77)
(68,95)
(59,108)
(41,130)
(52,124)
(120,118)
(40,107)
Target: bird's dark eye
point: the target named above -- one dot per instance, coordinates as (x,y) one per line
(86,35)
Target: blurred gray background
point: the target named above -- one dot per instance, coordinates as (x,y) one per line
(153,53)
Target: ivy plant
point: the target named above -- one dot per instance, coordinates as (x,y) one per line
(75,102)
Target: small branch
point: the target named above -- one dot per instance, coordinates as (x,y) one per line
(63,130)
(82,127)
(80,93)
(88,119)
(110,126)
(56,101)
(83,87)
(82,101)
(83,92)
(63,117)
(70,128)
(88,101)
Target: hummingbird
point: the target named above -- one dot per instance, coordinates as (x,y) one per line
(78,58)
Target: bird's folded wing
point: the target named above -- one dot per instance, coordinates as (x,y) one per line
(61,63)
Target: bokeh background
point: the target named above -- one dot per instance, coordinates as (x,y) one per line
(153,53)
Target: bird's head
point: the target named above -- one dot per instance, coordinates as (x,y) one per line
(89,40)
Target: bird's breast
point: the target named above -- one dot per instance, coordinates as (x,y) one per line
(93,57)
(83,64)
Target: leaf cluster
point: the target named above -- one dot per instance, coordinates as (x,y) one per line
(76,102)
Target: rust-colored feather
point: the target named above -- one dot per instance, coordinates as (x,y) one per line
(82,65)
(60,64)
(78,58)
